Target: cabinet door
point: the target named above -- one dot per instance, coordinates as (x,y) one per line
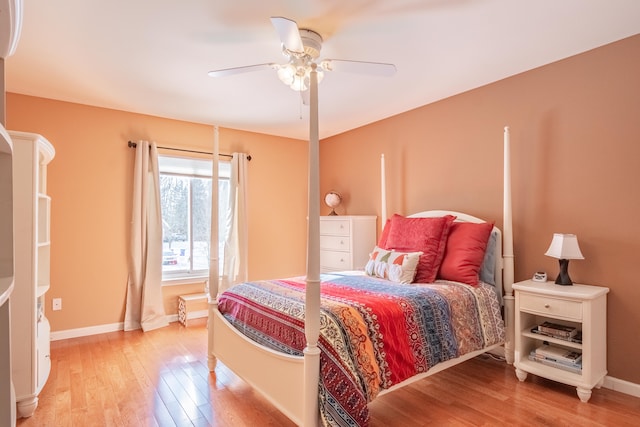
(44,352)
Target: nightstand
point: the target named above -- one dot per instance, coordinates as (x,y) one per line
(582,307)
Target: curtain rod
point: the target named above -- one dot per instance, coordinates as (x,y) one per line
(133,145)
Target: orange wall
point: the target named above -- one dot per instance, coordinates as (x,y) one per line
(575,136)
(90,182)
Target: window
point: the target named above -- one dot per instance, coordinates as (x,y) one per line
(185,197)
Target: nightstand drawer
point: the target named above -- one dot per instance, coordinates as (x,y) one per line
(335,260)
(551,306)
(338,227)
(335,243)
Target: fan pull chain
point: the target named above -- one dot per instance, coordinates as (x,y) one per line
(301,104)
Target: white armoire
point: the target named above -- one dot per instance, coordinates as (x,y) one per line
(30,331)
(7,399)
(10,27)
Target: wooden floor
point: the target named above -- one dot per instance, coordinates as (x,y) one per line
(160,378)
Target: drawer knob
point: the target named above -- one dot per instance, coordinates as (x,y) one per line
(547,306)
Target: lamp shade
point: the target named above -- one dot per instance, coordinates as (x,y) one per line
(564,246)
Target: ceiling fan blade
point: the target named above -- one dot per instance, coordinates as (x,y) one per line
(360,67)
(288,33)
(240,70)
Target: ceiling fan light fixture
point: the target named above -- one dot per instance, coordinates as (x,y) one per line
(297,77)
(326,65)
(287,73)
(299,83)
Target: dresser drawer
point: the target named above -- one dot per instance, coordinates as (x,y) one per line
(551,306)
(337,227)
(330,260)
(335,243)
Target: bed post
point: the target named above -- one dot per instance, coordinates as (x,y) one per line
(383,194)
(507,252)
(213,253)
(312,297)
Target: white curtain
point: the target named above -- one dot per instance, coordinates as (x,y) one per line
(145,308)
(236,247)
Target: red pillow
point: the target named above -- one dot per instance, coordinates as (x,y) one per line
(382,242)
(464,253)
(428,235)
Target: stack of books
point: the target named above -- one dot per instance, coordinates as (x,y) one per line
(558,357)
(555,330)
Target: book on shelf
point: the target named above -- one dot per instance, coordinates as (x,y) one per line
(559,354)
(576,368)
(577,338)
(555,362)
(558,330)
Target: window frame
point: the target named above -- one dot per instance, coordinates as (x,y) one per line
(191,168)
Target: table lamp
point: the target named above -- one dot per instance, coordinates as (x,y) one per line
(564,247)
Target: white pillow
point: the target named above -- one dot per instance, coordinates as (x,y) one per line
(391,265)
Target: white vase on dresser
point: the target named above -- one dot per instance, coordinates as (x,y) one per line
(7,396)
(30,331)
(346,241)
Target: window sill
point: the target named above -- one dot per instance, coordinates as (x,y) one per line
(184,280)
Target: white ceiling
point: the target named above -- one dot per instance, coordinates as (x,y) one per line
(152,56)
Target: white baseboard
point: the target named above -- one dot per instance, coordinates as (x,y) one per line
(192,315)
(622,386)
(84,332)
(113,327)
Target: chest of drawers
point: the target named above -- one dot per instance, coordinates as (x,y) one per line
(346,241)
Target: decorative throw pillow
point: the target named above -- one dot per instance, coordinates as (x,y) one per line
(426,235)
(395,266)
(464,253)
(488,268)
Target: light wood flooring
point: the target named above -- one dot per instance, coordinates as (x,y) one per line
(160,378)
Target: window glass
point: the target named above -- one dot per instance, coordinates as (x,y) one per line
(185,193)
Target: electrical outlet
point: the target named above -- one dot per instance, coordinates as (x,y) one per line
(57,304)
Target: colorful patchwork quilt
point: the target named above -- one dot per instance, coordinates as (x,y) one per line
(373,333)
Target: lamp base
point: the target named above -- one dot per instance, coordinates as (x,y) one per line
(333,213)
(563,278)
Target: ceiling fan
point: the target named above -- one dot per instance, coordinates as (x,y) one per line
(302,73)
(302,48)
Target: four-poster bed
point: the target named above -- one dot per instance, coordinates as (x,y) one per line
(292,382)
